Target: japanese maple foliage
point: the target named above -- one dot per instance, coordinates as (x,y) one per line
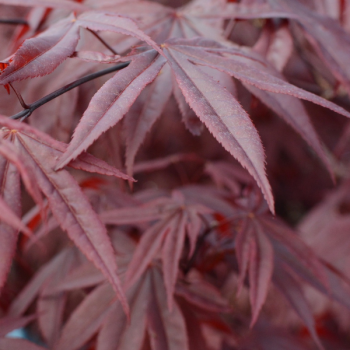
(174,174)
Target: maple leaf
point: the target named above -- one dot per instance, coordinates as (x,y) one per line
(42,54)
(146,299)
(11,203)
(66,271)
(51,309)
(262,237)
(327,37)
(167,235)
(184,58)
(66,200)
(104,113)
(144,113)
(200,226)
(162,22)
(184,55)
(149,313)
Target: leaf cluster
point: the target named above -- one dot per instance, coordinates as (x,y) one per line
(175,200)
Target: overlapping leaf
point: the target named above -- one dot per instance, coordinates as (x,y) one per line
(327,37)
(283,255)
(144,112)
(263,81)
(66,200)
(162,23)
(149,315)
(100,312)
(167,235)
(42,54)
(185,57)
(11,209)
(112,102)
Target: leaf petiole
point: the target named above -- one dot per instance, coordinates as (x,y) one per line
(19,96)
(109,47)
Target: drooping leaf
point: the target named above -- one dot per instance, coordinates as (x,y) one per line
(260,271)
(9,218)
(51,308)
(189,117)
(173,219)
(236,63)
(243,247)
(40,55)
(223,116)
(116,332)
(11,197)
(86,319)
(292,291)
(68,203)
(84,162)
(149,246)
(288,107)
(8,151)
(99,312)
(257,75)
(167,328)
(171,253)
(72,209)
(143,115)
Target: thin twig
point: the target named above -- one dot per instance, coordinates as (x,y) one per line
(14,21)
(110,48)
(32,107)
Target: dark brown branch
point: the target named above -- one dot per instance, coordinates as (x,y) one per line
(110,48)
(32,107)
(14,21)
